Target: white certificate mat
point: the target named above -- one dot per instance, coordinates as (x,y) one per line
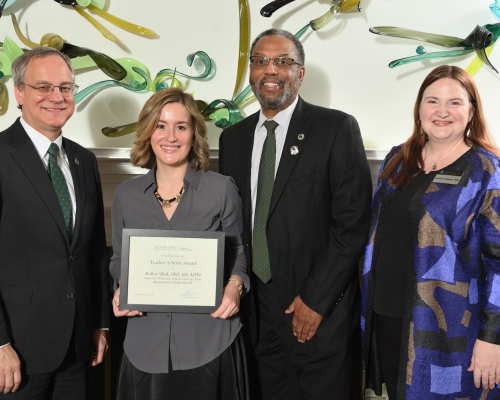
(171,271)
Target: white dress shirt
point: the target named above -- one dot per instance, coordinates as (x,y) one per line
(42,144)
(283,119)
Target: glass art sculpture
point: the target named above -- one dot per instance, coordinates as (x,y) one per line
(121,68)
(11,52)
(244,43)
(495,9)
(223,112)
(338,7)
(107,65)
(273,6)
(96,7)
(481,41)
(223,116)
(2,6)
(4,96)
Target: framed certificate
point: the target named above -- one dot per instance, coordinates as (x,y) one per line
(171,271)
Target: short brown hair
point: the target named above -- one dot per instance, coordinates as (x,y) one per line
(142,154)
(476,132)
(20,64)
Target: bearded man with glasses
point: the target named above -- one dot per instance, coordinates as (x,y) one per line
(54,301)
(306,188)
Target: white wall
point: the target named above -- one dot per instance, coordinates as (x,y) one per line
(346,65)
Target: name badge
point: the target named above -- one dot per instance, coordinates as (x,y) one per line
(448,177)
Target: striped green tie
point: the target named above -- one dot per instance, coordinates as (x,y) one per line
(61,188)
(260,252)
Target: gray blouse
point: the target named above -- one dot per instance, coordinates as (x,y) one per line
(211,202)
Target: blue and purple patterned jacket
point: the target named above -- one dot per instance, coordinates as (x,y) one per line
(452,283)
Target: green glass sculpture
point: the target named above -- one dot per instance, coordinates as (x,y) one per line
(273,6)
(120,22)
(244,43)
(117,131)
(126,62)
(96,7)
(222,112)
(421,50)
(102,30)
(338,7)
(207,63)
(495,9)
(5,62)
(134,86)
(2,6)
(160,82)
(11,49)
(4,97)
(478,40)
(302,31)
(109,66)
(233,113)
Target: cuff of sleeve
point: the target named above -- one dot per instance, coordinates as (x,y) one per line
(322,305)
(6,344)
(490,337)
(491,322)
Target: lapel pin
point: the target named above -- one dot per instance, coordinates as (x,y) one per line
(294,150)
(301,136)
(77,161)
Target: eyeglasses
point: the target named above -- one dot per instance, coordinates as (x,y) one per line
(66,90)
(279,62)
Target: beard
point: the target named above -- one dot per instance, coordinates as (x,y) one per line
(290,90)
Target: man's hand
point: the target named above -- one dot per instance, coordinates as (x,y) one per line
(10,370)
(100,346)
(305,321)
(116,307)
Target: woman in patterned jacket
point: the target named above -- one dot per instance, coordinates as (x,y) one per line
(431,273)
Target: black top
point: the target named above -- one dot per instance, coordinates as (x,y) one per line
(390,269)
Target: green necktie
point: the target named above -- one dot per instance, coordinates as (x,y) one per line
(265,183)
(61,188)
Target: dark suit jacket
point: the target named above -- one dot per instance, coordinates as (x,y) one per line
(318,218)
(49,288)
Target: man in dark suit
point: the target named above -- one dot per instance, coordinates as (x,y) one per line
(306,187)
(54,302)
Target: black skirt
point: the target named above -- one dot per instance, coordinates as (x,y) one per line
(224,378)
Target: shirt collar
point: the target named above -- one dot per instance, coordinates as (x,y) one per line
(282,118)
(191,177)
(42,142)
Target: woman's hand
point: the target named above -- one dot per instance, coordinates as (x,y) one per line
(116,307)
(230,301)
(485,363)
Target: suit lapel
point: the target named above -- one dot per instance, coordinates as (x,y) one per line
(24,153)
(246,148)
(300,124)
(79,184)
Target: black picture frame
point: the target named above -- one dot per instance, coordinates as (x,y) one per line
(125,267)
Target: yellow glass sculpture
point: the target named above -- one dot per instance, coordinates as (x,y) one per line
(96,7)
(244,43)
(107,65)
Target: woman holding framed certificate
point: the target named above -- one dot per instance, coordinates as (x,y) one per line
(179,355)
